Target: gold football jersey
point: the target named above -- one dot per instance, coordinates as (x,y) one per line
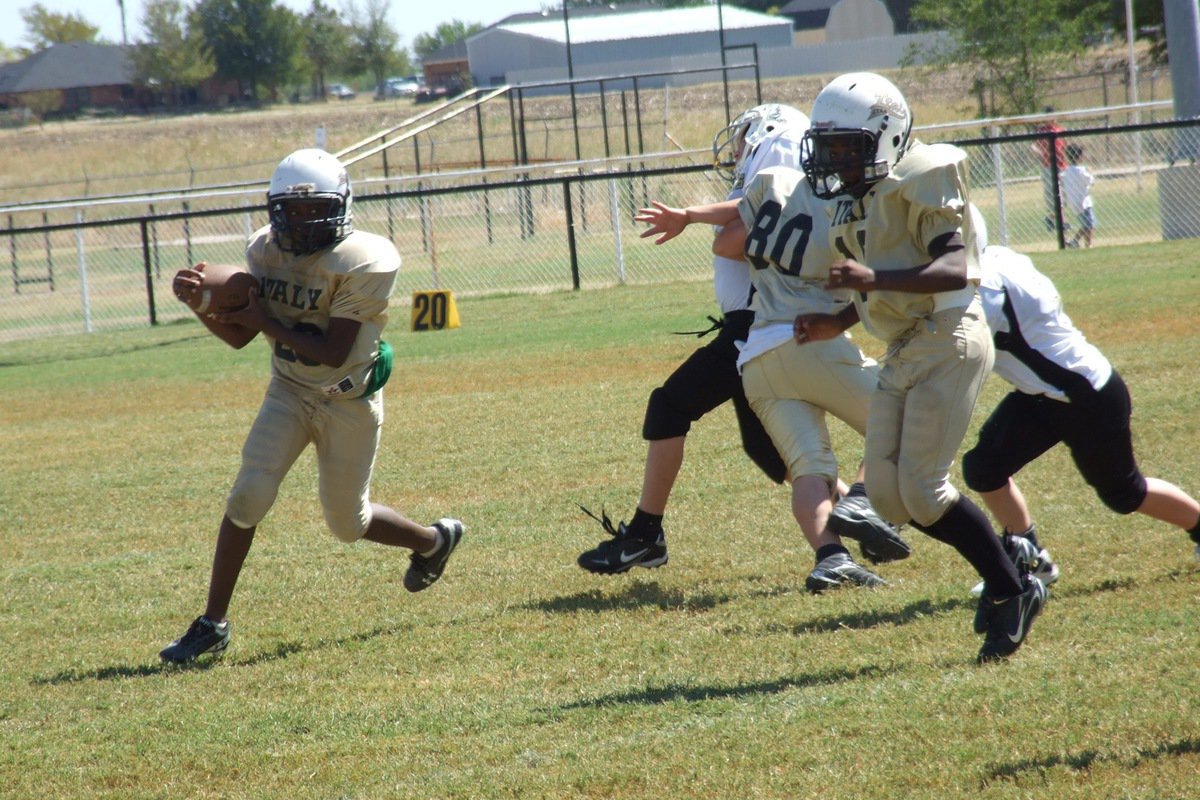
(787,247)
(352,279)
(891,227)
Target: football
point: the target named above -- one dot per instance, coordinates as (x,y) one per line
(226,287)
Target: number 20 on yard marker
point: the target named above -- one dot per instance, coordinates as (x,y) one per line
(433,311)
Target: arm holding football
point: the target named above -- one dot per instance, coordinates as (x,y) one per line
(188,288)
(330,347)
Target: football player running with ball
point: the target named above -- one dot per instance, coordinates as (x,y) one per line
(321,306)
(902,224)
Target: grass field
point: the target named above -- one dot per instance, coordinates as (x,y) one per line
(520,675)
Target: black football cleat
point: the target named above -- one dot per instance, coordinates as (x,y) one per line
(855,518)
(1007,621)
(623,551)
(203,637)
(423,571)
(837,570)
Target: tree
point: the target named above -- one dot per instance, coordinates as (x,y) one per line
(1014,46)
(173,58)
(445,34)
(375,44)
(44,27)
(326,40)
(1148,16)
(254,42)
(901,12)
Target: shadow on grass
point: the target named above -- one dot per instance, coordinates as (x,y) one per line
(278,653)
(695,694)
(1086,759)
(870,619)
(632,596)
(1121,583)
(926,608)
(61,356)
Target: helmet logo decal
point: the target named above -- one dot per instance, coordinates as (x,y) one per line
(301,188)
(887,106)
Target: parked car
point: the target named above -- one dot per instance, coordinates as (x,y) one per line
(340,90)
(429,94)
(400,87)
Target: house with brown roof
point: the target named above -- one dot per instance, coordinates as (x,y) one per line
(65,79)
(70,77)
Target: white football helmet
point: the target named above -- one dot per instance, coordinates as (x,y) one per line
(735,143)
(306,177)
(861,112)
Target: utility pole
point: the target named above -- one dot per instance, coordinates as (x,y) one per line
(571,78)
(124,36)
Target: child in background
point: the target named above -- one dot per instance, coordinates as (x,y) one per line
(1077,191)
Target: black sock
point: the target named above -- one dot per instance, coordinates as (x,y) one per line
(647,526)
(965,528)
(1194,532)
(827,550)
(857,490)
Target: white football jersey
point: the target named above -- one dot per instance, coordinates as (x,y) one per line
(788,250)
(1038,349)
(354,279)
(731,279)
(890,228)
(1077,188)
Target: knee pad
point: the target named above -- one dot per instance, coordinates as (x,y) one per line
(347,527)
(982,474)
(885,499)
(250,499)
(925,497)
(665,419)
(1125,499)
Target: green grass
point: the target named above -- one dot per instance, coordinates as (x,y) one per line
(519,675)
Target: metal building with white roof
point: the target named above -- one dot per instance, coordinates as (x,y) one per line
(616,43)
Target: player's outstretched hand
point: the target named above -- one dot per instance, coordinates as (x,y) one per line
(816,327)
(665,222)
(850,274)
(186,285)
(253,317)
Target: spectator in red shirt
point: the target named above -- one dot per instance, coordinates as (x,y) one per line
(1051,166)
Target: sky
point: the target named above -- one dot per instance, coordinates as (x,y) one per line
(409,18)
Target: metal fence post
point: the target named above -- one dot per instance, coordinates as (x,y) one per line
(187,232)
(149,272)
(84,295)
(12,251)
(615,212)
(571,234)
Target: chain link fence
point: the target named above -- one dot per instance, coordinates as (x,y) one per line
(107,265)
(68,271)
